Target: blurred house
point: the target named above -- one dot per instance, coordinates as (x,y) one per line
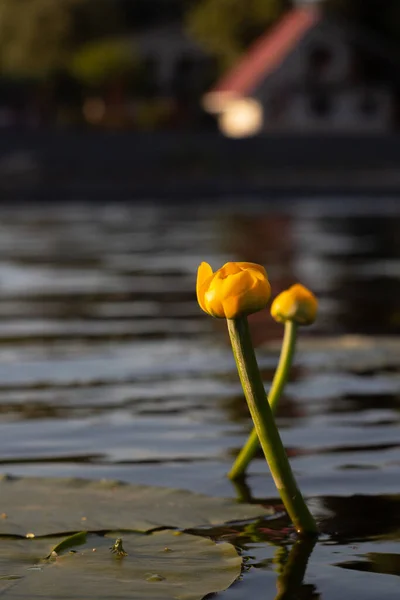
(176,62)
(309,74)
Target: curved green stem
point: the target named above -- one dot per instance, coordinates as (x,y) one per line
(281,376)
(266,429)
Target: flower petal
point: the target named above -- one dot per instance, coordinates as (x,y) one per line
(296,304)
(213,303)
(204,274)
(232,307)
(237,284)
(237,288)
(253,266)
(229,268)
(245,294)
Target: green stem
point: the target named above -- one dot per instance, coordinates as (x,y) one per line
(265,426)
(281,376)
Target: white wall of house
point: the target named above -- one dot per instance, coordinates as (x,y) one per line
(327,38)
(347,105)
(345,111)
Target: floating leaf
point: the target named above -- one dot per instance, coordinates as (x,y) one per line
(159,566)
(375,562)
(69,542)
(38,507)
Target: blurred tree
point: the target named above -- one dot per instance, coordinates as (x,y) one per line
(33,35)
(94,19)
(225,28)
(37,36)
(97,61)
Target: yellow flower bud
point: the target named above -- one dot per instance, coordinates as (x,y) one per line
(296,304)
(238,288)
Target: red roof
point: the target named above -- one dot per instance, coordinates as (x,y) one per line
(267,53)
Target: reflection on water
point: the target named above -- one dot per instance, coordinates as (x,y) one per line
(109,368)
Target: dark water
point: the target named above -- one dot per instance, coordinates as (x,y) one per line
(109,368)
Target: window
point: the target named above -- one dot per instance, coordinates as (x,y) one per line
(319,60)
(368,105)
(321,104)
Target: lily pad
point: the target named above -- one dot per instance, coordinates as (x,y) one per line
(375,562)
(37,507)
(159,566)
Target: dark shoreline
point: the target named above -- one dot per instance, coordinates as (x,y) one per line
(68,165)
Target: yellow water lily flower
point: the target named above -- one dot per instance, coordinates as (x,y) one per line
(236,289)
(296,304)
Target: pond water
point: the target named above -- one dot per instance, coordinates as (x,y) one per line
(110,370)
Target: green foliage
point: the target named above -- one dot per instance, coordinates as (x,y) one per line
(97,61)
(67,543)
(68,505)
(162,565)
(225,28)
(37,37)
(34,35)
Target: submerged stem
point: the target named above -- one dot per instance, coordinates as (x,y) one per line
(281,376)
(265,427)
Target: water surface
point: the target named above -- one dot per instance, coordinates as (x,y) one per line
(109,368)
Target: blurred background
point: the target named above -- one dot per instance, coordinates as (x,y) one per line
(151,96)
(146,64)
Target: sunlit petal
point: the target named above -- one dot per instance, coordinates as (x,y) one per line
(296,304)
(204,273)
(235,289)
